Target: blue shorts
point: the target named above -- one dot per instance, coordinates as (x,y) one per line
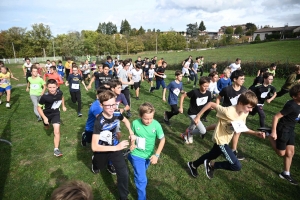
(150,79)
(5,89)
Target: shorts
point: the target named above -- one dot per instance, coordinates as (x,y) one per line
(85,76)
(100,159)
(185,71)
(285,137)
(5,89)
(137,85)
(150,79)
(53,118)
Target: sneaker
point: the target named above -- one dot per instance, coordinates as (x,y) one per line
(238,155)
(94,169)
(288,178)
(111,169)
(166,116)
(167,122)
(83,142)
(39,119)
(184,138)
(7,105)
(190,138)
(193,170)
(57,153)
(202,136)
(79,114)
(0,101)
(128,114)
(137,98)
(209,171)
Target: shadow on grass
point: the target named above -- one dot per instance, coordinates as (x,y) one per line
(5,149)
(59,177)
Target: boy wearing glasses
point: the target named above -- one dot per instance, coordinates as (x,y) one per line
(105,144)
(74,82)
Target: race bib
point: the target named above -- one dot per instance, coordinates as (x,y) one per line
(264,95)
(234,100)
(140,143)
(201,101)
(60,70)
(75,86)
(35,86)
(239,126)
(176,91)
(56,104)
(106,136)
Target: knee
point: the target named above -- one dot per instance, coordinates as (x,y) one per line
(236,166)
(289,153)
(175,112)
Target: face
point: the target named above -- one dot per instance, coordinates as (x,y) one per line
(3,70)
(109,106)
(246,108)
(204,87)
(86,62)
(238,62)
(117,89)
(48,62)
(53,64)
(147,118)
(34,72)
(179,77)
(100,69)
(139,59)
(227,74)
(240,81)
(51,71)
(27,61)
(75,71)
(165,65)
(105,70)
(215,78)
(269,80)
(52,88)
(137,69)
(59,64)
(214,66)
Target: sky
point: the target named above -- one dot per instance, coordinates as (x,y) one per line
(64,16)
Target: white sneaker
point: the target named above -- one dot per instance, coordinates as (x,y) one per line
(190,138)
(0,101)
(7,105)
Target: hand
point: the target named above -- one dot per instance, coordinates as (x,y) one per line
(164,99)
(89,87)
(67,84)
(45,119)
(27,89)
(132,147)
(132,138)
(273,135)
(196,120)
(269,100)
(131,82)
(119,135)
(86,88)
(180,110)
(153,159)
(64,108)
(122,145)
(261,134)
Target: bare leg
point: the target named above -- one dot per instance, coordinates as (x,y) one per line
(56,135)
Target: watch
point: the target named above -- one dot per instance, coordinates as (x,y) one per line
(157,155)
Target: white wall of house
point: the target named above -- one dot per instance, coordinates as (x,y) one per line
(262,35)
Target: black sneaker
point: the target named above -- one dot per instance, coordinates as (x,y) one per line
(209,171)
(192,169)
(288,178)
(137,98)
(94,169)
(83,142)
(128,114)
(167,122)
(238,155)
(111,169)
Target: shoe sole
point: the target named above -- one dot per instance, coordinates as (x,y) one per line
(188,164)
(58,155)
(111,172)
(287,180)
(205,167)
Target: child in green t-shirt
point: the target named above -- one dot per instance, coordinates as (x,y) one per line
(146,129)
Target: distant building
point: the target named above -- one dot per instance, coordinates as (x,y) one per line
(286,30)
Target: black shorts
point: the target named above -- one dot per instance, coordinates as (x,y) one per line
(285,137)
(137,85)
(53,118)
(85,76)
(100,159)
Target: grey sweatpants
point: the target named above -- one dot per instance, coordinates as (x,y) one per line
(196,129)
(35,101)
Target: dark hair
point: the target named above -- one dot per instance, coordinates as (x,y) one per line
(47,60)
(53,67)
(295,90)
(204,79)
(212,74)
(248,97)
(51,81)
(102,88)
(114,83)
(236,74)
(267,74)
(272,65)
(262,71)
(237,59)
(59,61)
(106,95)
(33,67)
(105,65)
(178,72)
(163,62)
(108,58)
(138,66)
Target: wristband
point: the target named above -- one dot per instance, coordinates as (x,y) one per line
(157,155)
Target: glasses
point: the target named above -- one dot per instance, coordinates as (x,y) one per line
(110,106)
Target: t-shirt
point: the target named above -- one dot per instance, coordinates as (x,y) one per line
(262,92)
(121,99)
(94,110)
(136,75)
(197,101)
(151,73)
(5,80)
(273,72)
(110,65)
(160,71)
(36,86)
(74,82)
(139,62)
(230,95)
(222,83)
(234,67)
(174,91)
(51,102)
(27,67)
(224,131)
(60,70)
(102,78)
(54,76)
(110,126)
(213,87)
(149,133)
(47,66)
(123,75)
(291,115)
(68,65)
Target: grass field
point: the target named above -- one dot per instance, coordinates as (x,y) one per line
(28,169)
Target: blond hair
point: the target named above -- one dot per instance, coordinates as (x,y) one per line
(146,108)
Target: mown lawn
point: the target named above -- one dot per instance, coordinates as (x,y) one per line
(28,169)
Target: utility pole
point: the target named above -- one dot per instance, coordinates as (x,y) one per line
(14,52)
(156,43)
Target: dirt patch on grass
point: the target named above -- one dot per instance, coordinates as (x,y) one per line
(25,162)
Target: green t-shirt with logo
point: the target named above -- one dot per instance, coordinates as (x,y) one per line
(149,133)
(36,86)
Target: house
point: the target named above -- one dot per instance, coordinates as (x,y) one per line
(282,31)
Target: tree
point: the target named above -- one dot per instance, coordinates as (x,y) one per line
(125,26)
(141,31)
(238,30)
(202,26)
(111,28)
(192,29)
(250,27)
(229,30)
(257,38)
(101,28)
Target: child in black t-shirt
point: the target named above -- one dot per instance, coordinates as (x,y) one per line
(48,109)
(105,144)
(282,137)
(160,76)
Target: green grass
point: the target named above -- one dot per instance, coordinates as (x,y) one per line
(28,169)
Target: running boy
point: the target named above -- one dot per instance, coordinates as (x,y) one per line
(137,77)
(54,75)
(282,137)
(175,88)
(61,69)
(160,76)
(146,130)
(5,85)
(37,88)
(74,82)
(223,134)
(48,109)
(105,144)
(198,99)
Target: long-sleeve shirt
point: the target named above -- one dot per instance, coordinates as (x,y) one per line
(222,83)
(290,81)
(54,76)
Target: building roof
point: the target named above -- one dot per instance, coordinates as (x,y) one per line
(285,28)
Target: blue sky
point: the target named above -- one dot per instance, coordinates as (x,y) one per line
(75,15)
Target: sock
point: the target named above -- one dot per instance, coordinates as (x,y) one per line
(55,149)
(286,173)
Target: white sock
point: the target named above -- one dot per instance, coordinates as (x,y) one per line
(55,149)
(286,173)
